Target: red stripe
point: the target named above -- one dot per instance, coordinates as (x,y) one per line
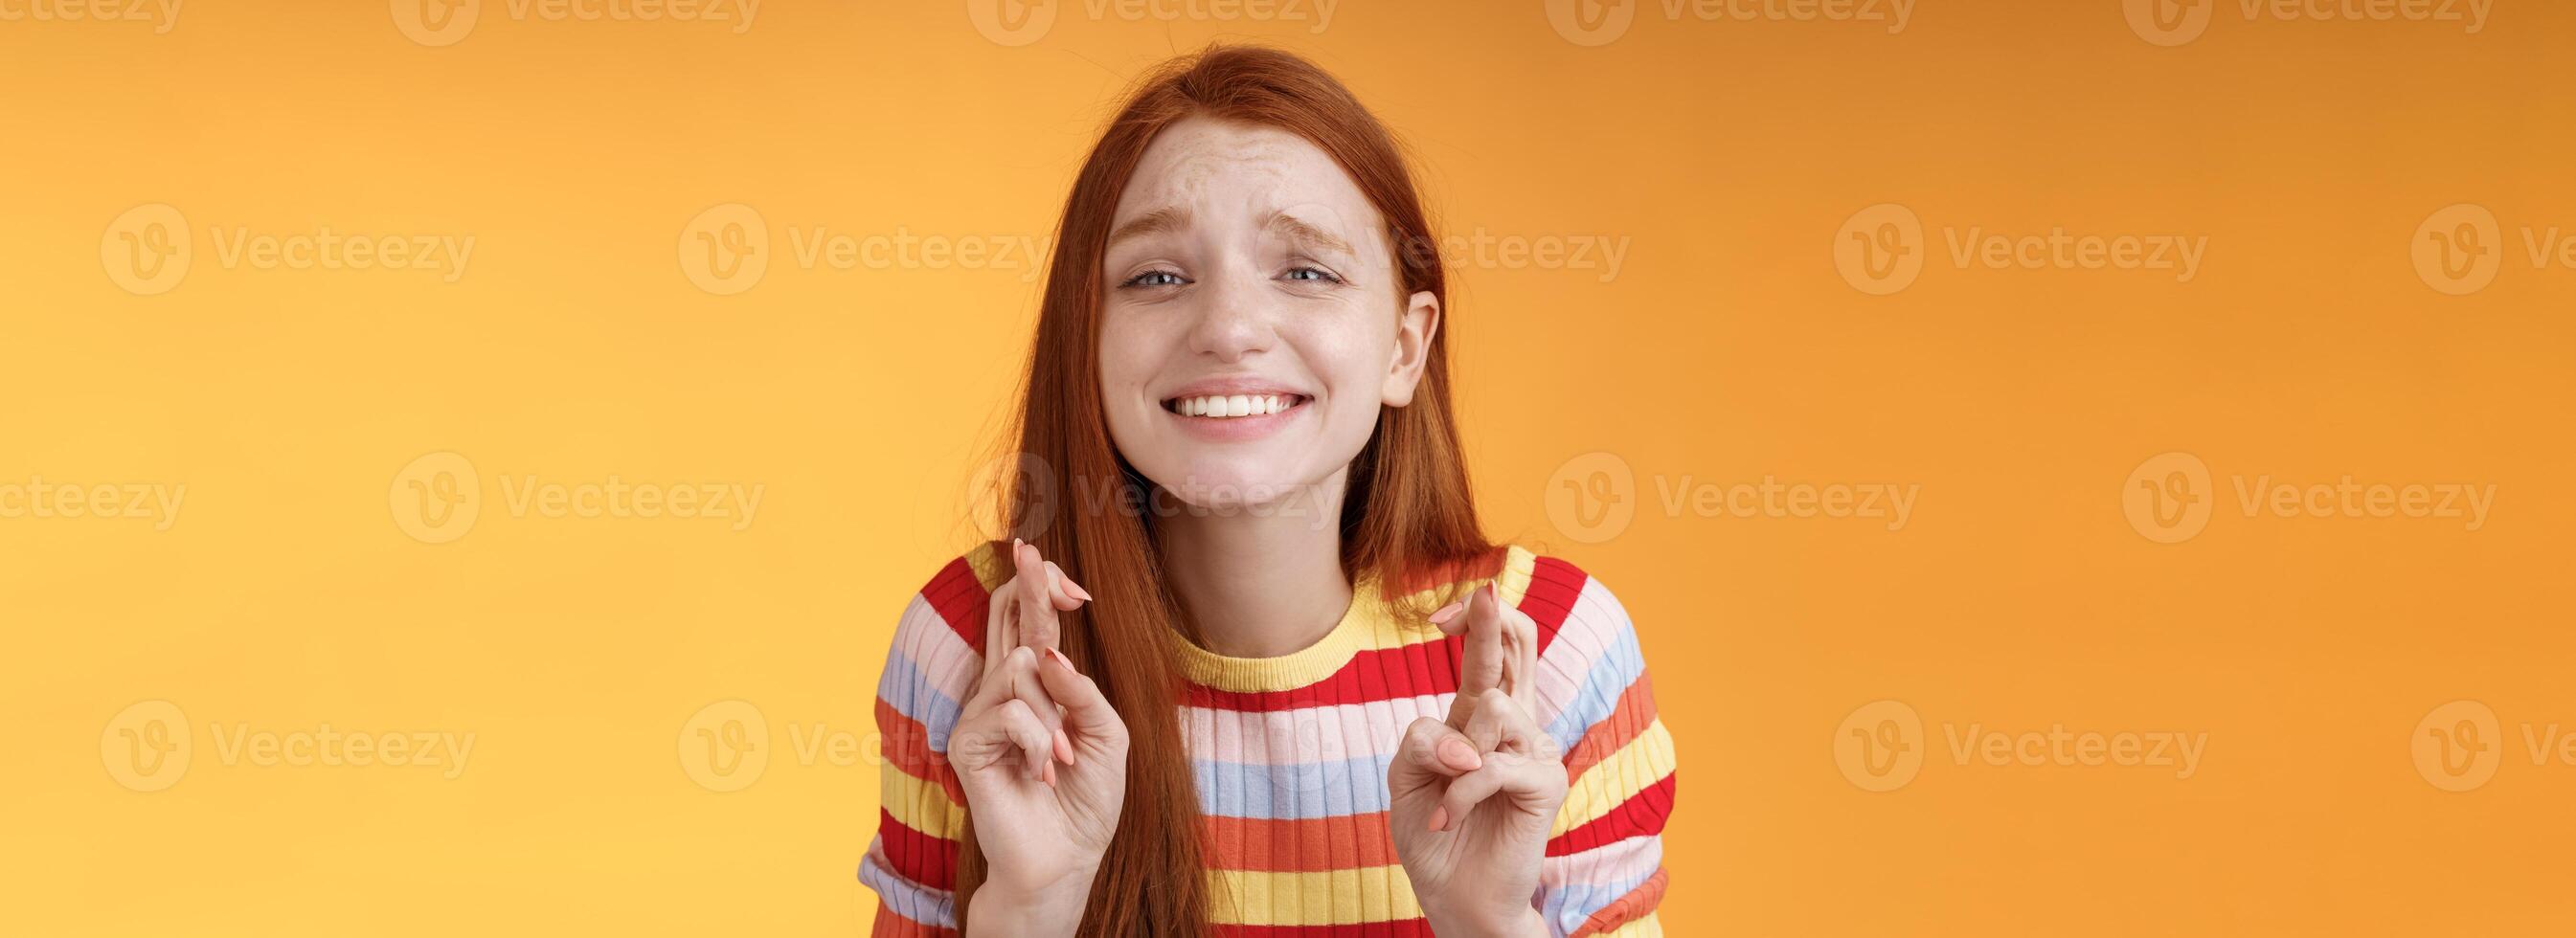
(907,742)
(1303,845)
(1422,669)
(1416,670)
(922,858)
(1642,815)
(1634,712)
(1406,928)
(1638,903)
(960,599)
(1553,586)
(907,747)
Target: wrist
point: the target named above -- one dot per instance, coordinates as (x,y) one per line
(1513,921)
(1053,909)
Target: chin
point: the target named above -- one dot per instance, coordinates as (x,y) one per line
(1233,483)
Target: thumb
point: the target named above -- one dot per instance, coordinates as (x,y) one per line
(1086,709)
(1430,754)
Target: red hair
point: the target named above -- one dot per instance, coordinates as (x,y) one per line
(1407,507)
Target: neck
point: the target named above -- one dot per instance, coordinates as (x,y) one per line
(1260,582)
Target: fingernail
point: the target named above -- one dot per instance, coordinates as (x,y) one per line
(1076,591)
(1459,755)
(1049,774)
(1061,661)
(1439,817)
(1063,747)
(1447,613)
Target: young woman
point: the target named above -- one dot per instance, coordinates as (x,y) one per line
(1251,667)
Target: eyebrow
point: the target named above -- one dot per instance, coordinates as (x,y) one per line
(1167,218)
(1174,218)
(1301,231)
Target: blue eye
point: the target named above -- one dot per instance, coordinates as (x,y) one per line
(1318,274)
(1154,278)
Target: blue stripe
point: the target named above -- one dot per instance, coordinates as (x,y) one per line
(913,695)
(1293,792)
(1599,695)
(907,898)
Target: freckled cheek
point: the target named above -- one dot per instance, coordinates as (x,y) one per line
(1348,355)
(1128,356)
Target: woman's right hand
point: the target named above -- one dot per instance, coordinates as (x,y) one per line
(1043,760)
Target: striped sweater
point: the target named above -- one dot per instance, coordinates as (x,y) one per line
(1291,755)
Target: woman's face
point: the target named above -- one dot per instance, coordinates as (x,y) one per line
(1253,320)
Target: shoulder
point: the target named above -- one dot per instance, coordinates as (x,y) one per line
(951,603)
(937,651)
(1570,605)
(1588,654)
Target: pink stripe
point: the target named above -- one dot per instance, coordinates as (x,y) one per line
(1307,734)
(1588,634)
(924,640)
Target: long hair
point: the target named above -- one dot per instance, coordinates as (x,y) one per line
(1407,506)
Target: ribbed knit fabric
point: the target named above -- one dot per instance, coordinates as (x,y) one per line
(1291,755)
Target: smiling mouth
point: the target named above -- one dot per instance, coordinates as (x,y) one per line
(1229,406)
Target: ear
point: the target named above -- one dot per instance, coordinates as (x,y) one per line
(1413,333)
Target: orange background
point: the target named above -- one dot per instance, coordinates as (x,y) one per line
(289,592)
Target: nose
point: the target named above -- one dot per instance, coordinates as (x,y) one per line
(1236,319)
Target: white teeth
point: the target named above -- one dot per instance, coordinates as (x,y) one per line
(1233,405)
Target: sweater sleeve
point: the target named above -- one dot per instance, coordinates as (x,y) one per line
(911,864)
(1603,872)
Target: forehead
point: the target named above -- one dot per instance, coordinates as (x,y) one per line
(1217,169)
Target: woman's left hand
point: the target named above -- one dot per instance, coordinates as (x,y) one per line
(1475,795)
